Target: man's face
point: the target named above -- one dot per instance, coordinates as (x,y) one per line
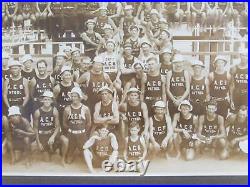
(47,101)
(15,70)
(67,52)
(103,12)
(91,26)
(178,65)
(145,48)
(105,95)
(75,55)
(128,51)
(244,58)
(110,46)
(84,66)
(28,64)
(134,131)
(60,60)
(134,32)
(134,96)
(75,98)
(97,67)
(41,68)
(159,111)
(242,115)
(152,65)
(164,35)
(67,76)
(166,57)
(211,109)
(129,12)
(197,70)
(138,68)
(185,109)
(220,64)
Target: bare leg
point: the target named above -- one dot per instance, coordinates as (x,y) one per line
(65,144)
(88,158)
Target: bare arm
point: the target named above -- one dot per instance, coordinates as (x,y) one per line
(222,131)
(36,117)
(57,124)
(200,127)
(145,116)
(187,85)
(88,118)
(164,95)
(5,92)
(175,120)
(65,117)
(26,92)
(115,119)
(170,95)
(89,143)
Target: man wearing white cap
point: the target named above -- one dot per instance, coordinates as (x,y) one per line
(199,88)
(178,84)
(75,58)
(146,52)
(76,122)
(238,128)
(135,110)
(111,62)
(185,125)
(240,81)
(153,85)
(28,71)
(91,39)
(41,83)
(62,91)
(103,19)
(67,51)
(160,130)
(162,40)
(15,89)
(60,61)
(47,128)
(165,61)
(127,21)
(94,80)
(20,135)
(106,111)
(220,83)
(212,131)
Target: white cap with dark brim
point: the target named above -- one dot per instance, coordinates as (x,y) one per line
(105,88)
(13,63)
(65,68)
(133,90)
(198,63)
(77,90)
(48,94)
(26,58)
(160,104)
(185,102)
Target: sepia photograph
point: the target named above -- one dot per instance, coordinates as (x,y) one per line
(124,89)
